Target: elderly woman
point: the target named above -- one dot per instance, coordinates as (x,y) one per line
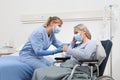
(86,48)
(81,48)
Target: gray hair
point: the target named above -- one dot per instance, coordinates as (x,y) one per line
(81,27)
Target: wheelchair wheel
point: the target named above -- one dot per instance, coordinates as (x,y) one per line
(105,78)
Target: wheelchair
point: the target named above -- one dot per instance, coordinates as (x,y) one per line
(96,74)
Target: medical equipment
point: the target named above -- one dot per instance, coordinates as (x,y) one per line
(6,50)
(113,11)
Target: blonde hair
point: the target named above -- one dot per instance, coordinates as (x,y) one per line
(82,27)
(54,19)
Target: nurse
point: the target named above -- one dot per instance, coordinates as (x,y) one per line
(39,41)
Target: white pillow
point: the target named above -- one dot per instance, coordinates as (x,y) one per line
(100,53)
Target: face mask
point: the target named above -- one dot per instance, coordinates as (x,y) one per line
(56,30)
(78,37)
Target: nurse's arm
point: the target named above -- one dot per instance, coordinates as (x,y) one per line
(37,45)
(57,43)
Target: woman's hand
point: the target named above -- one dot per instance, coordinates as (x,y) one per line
(74,41)
(64,48)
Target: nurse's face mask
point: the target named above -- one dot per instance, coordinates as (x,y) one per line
(56,29)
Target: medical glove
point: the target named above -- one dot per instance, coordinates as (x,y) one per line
(58,50)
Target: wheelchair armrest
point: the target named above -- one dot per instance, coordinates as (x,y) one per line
(62,58)
(94,67)
(88,61)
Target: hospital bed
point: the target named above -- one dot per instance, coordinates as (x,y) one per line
(96,68)
(11,68)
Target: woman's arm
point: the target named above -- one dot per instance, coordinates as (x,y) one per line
(83,53)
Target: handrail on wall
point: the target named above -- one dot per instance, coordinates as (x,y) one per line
(65,16)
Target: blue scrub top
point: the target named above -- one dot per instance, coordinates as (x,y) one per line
(39,41)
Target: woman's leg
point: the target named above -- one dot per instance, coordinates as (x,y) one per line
(50,73)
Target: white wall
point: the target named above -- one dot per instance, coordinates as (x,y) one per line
(11,29)
(11,11)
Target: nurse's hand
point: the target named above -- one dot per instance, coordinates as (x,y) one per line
(64,48)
